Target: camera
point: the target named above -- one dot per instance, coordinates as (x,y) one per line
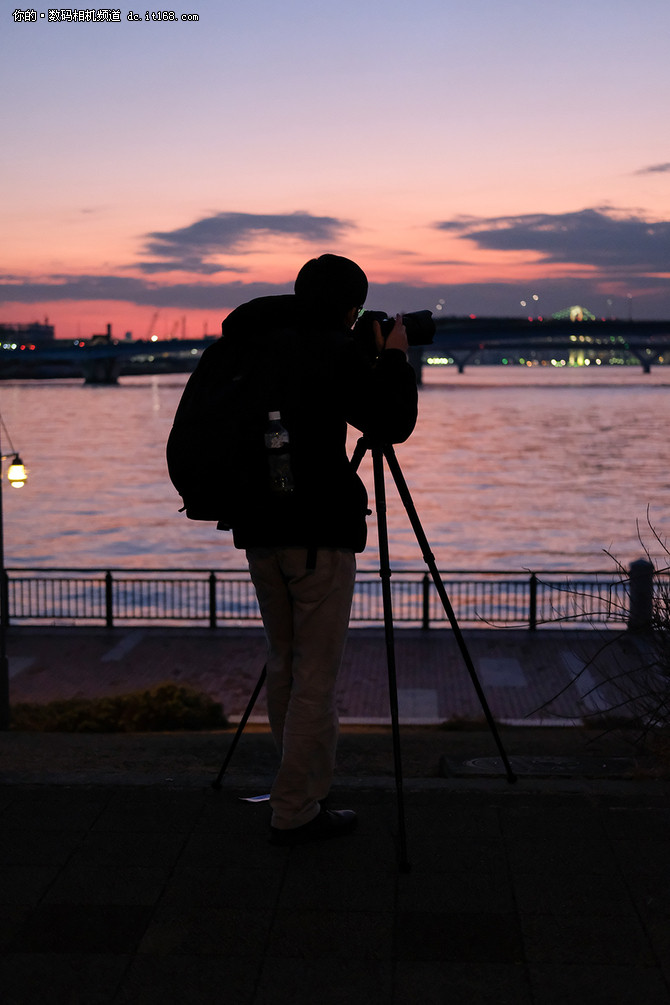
(419,326)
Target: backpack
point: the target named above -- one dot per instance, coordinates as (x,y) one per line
(215,451)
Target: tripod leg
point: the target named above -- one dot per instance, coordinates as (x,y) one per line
(240,729)
(429,559)
(385,573)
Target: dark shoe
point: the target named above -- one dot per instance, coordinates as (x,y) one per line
(328,824)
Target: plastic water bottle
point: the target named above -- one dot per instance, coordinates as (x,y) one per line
(279,458)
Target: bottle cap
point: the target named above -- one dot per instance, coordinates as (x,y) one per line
(274,416)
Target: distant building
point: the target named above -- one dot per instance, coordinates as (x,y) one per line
(36,333)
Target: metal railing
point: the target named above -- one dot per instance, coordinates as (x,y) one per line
(208,597)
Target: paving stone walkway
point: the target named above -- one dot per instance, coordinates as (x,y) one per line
(160,895)
(533,677)
(126,879)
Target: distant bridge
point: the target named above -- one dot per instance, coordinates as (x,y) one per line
(464,338)
(102,360)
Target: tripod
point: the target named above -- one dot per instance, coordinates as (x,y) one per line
(380,452)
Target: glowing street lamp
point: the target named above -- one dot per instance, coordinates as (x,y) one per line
(16,474)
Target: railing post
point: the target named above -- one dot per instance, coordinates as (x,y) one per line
(532,614)
(212,600)
(640,612)
(109,601)
(425,592)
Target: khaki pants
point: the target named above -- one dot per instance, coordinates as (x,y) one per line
(306,616)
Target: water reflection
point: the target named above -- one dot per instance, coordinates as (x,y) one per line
(508,469)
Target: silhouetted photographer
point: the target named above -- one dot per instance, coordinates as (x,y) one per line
(288,376)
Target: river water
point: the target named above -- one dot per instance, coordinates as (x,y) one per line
(509,469)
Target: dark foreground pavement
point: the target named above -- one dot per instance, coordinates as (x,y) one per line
(156,889)
(126,878)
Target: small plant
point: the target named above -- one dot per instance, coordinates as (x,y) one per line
(164,707)
(631,670)
(644,692)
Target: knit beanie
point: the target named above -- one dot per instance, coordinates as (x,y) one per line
(331,284)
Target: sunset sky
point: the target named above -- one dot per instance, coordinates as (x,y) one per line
(467,153)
